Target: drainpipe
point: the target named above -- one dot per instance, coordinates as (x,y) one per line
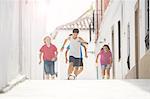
(97,20)
(93,23)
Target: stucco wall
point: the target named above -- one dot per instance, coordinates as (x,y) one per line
(21,22)
(124,10)
(9,31)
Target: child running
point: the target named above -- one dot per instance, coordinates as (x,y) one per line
(75,59)
(49,52)
(70,68)
(105,61)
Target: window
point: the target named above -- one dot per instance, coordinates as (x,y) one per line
(147,40)
(119,40)
(128,46)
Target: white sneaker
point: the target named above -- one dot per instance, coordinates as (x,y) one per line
(71,77)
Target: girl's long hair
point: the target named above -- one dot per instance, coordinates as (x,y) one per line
(107,47)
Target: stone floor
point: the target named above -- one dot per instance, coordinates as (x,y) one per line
(80,89)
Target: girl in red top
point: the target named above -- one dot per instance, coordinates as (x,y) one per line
(49,53)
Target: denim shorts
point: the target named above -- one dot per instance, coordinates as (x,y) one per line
(49,67)
(105,67)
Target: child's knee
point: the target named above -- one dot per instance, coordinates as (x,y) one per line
(81,68)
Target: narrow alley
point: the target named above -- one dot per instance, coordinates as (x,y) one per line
(108,39)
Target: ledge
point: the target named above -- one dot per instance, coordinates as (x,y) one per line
(13,83)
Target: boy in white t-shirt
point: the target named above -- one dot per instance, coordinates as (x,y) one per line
(75,59)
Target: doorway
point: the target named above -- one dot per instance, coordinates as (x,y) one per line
(137,39)
(113,54)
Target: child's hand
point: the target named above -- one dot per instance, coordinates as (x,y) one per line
(86,56)
(62,49)
(111,61)
(54,59)
(66,60)
(40,62)
(96,61)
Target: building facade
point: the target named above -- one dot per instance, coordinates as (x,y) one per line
(125,28)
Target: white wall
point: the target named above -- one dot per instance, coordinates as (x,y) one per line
(9,31)
(126,14)
(26,35)
(110,19)
(129,18)
(33,30)
(144,69)
(142,28)
(21,22)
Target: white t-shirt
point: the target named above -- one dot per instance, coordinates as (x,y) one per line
(75,47)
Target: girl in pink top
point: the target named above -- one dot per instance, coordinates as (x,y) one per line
(105,61)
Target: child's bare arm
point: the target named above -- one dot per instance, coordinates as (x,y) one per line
(62,48)
(40,57)
(83,41)
(66,53)
(56,53)
(97,57)
(111,60)
(85,49)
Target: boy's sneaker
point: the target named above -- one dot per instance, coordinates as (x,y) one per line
(71,77)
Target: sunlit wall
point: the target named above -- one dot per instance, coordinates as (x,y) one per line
(21,22)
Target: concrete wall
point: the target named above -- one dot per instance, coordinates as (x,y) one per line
(144,68)
(131,73)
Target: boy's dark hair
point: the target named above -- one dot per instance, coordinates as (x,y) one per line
(75,30)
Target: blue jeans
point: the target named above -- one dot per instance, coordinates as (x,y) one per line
(49,67)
